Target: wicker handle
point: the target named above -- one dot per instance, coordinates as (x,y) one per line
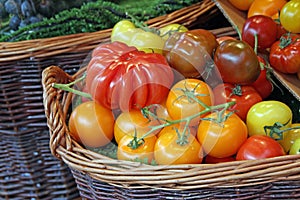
(54,103)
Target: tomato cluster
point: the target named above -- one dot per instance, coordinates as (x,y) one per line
(201,99)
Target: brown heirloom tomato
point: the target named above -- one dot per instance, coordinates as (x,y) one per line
(237,62)
(189,52)
(119,76)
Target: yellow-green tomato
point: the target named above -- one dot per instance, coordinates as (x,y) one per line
(169,29)
(295,148)
(267,113)
(290,16)
(289,137)
(122,26)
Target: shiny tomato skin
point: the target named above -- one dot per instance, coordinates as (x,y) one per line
(263,84)
(188,52)
(237,62)
(168,152)
(259,147)
(289,137)
(241,5)
(267,113)
(244,97)
(180,106)
(264,27)
(222,139)
(290,16)
(91,124)
(131,123)
(285,57)
(144,151)
(121,77)
(266,7)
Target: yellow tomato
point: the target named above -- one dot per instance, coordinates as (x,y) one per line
(241,4)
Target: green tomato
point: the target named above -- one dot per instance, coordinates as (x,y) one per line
(295,148)
(169,29)
(267,113)
(290,16)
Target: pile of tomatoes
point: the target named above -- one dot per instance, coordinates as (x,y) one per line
(179,96)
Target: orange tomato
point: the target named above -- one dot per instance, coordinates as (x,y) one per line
(241,4)
(91,124)
(169,151)
(180,106)
(131,123)
(222,139)
(270,8)
(143,152)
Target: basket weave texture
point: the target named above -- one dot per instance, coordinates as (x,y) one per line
(101,177)
(28,169)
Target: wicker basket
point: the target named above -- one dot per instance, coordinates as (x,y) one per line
(28,170)
(100,177)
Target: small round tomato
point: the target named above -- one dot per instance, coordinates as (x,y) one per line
(244,97)
(290,16)
(189,52)
(267,113)
(131,123)
(223,38)
(289,137)
(241,5)
(222,135)
(266,7)
(295,148)
(91,124)
(180,104)
(264,27)
(140,151)
(259,147)
(237,62)
(170,149)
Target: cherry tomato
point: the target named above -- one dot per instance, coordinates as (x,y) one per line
(223,38)
(259,147)
(295,148)
(91,124)
(237,62)
(121,77)
(189,52)
(241,5)
(169,151)
(222,137)
(290,16)
(143,151)
(264,27)
(180,106)
(266,7)
(131,123)
(267,113)
(212,160)
(289,137)
(285,54)
(244,97)
(263,84)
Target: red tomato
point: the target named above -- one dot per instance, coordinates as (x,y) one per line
(266,7)
(189,52)
(285,54)
(259,147)
(119,76)
(263,84)
(245,96)
(237,62)
(264,27)
(223,38)
(91,124)
(222,135)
